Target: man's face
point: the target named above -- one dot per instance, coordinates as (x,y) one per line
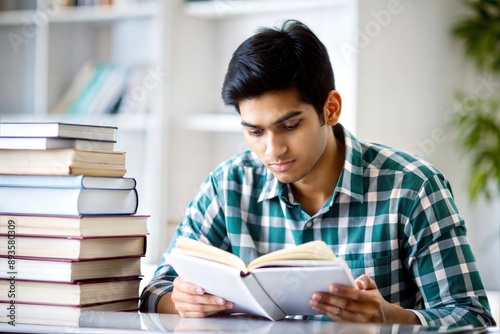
(285,133)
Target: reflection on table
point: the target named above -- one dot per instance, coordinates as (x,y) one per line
(134,322)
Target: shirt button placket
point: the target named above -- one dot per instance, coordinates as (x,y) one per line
(308,232)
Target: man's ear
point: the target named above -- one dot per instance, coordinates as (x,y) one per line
(332,108)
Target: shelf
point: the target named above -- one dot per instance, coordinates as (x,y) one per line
(17,17)
(105,13)
(125,122)
(216,9)
(214,122)
(79,14)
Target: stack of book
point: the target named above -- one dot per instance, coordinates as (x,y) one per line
(70,236)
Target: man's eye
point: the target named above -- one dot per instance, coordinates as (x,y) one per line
(255,133)
(291,127)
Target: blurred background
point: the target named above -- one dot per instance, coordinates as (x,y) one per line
(421,76)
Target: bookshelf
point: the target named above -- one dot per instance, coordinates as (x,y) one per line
(43,46)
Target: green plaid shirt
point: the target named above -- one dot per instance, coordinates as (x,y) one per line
(391,216)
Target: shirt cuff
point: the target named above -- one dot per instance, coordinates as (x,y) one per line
(420,317)
(152,296)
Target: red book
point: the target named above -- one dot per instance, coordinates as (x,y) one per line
(65,270)
(54,247)
(79,226)
(81,293)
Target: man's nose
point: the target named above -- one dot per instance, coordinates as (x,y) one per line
(275,146)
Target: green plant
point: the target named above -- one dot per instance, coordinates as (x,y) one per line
(478,125)
(478,121)
(480,33)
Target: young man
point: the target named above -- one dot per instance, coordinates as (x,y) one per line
(390,215)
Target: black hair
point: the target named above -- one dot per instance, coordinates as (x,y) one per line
(279,59)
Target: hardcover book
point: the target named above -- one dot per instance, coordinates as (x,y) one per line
(273,286)
(67,181)
(57,129)
(74,248)
(80,293)
(67,201)
(78,226)
(81,80)
(43,143)
(65,270)
(61,315)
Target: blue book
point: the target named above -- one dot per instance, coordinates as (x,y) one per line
(67,201)
(67,181)
(84,99)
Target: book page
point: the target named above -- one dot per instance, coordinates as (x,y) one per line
(293,263)
(198,249)
(314,250)
(226,282)
(291,288)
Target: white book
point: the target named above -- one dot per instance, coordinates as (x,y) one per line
(275,285)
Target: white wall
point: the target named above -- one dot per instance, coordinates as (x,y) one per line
(408,71)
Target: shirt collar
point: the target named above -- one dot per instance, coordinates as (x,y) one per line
(351,178)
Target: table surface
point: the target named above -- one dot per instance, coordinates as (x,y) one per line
(133,322)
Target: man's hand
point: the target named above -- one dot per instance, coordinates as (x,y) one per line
(191,301)
(346,304)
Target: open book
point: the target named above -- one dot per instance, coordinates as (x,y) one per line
(274,285)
